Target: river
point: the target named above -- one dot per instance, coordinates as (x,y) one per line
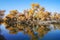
(51,32)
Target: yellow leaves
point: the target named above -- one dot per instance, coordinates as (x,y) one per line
(13,12)
(56,16)
(10,16)
(47,13)
(42,9)
(21,17)
(40,14)
(43,15)
(31,11)
(35,5)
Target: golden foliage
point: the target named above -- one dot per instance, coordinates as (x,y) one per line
(16,21)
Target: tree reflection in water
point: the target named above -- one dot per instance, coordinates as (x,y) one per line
(56,26)
(36,32)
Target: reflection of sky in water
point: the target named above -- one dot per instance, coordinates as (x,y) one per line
(51,35)
(18,36)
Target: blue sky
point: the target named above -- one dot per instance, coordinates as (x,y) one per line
(20,5)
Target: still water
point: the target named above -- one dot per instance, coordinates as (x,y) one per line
(51,32)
